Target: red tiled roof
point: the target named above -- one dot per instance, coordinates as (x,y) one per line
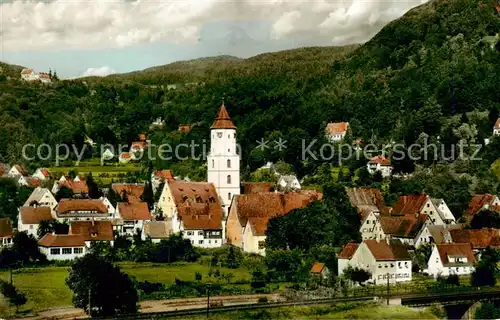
(134,211)
(5,228)
(256,187)
(164,174)
(133,191)
(478,202)
(142,137)
(337,127)
(45,173)
(403,227)
(367,199)
(348,251)
(33,182)
(382,251)
(76,186)
(22,170)
(263,206)
(478,238)
(383,161)
(93,230)
(197,203)
(223,120)
(44,75)
(31,215)
(62,240)
(455,249)
(317,267)
(409,205)
(69,205)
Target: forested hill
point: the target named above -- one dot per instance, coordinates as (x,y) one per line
(430,71)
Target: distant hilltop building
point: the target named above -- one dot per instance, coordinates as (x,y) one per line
(30,75)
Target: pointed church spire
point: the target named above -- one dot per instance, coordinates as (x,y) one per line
(223,120)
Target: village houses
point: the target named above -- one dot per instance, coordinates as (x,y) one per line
(132,217)
(69,210)
(336,131)
(380,164)
(6,232)
(62,246)
(42,174)
(41,197)
(451,258)
(93,231)
(384,260)
(30,218)
(246,224)
(156,231)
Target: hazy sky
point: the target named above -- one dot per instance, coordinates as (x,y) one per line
(98,37)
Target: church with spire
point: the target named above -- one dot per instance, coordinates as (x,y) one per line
(223,160)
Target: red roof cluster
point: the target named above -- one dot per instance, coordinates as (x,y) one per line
(403,227)
(257,187)
(258,208)
(479,239)
(382,251)
(132,190)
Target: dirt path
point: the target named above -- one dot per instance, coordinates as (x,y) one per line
(69,313)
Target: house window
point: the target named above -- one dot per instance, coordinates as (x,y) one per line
(399,264)
(228,179)
(229,163)
(189,233)
(229,196)
(213,163)
(55,251)
(200,233)
(77,250)
(210,241)
(262,245)
(66,251)
(200,242)
(31,227)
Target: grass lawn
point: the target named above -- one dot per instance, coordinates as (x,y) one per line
(338,311)
(167,273)
(46,287)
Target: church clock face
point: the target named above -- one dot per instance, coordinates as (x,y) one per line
(219,134)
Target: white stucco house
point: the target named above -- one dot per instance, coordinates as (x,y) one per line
(42,197)
(383,260)
(42,174)
(380,163)
(30,217)
(29,75)
(133,215)
(17,171)
(336,131)
(62,247)
(451,258)
(344,256)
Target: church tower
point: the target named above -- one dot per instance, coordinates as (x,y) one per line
(223,159)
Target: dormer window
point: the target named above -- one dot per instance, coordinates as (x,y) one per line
(93,234)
